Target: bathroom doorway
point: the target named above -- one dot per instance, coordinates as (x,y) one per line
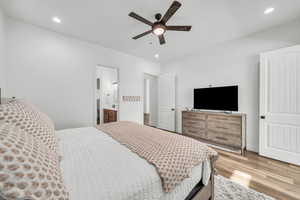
(107,94)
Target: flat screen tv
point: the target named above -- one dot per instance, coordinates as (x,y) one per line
(216,98)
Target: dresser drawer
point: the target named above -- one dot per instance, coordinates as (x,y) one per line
(225,119)
(193,116)
(196,132)
(225,127)
(194,123)
(224,139)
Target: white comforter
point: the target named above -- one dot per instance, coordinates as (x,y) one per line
(96,167)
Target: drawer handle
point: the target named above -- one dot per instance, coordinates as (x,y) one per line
(221,118)
(221,138)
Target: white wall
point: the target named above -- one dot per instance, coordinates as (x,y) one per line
(234,62)
(57,73)
(2,53)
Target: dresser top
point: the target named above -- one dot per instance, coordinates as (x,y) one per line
(215,113)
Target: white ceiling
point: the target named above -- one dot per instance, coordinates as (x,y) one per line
(107,23)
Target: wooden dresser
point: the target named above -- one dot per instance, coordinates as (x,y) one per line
(110,115)
(219,129)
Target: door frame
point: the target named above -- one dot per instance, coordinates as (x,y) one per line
(262,101)
(95,90)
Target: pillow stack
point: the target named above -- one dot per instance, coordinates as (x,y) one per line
(31,120)
(29,161)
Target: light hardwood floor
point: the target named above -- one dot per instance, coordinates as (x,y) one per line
(274,178)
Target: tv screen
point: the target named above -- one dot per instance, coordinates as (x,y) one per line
(216,98)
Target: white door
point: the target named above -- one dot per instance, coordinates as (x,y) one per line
(166,102)
(280,105)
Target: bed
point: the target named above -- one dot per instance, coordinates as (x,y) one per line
(116,161)
(95,166)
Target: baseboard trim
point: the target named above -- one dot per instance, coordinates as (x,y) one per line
(252,148)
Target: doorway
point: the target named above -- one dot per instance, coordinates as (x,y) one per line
(150,100)
(159,101)
(107,95)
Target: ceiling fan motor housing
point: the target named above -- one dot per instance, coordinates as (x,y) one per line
(159,26)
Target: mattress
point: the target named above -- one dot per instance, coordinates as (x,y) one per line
(96,167)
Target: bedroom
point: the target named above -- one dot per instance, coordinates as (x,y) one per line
(49,51)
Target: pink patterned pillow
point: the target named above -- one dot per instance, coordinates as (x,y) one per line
(28,169)
(31,120)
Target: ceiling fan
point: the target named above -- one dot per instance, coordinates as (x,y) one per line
(160,27)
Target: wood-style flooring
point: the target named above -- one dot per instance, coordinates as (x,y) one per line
(274,178)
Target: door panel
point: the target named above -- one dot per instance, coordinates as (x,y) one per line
(283,72)
(285,138)
(166,102)
(280,105)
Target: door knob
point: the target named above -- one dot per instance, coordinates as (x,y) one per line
(173,109)
(263,117)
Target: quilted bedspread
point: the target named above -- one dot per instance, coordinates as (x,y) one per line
(174,156)
(97,167)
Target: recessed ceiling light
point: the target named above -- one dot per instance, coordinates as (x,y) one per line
(56,20)
(269,10)
(156,56)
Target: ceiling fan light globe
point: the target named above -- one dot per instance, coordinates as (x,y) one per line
(159,31)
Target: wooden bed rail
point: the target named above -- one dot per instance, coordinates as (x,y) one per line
(213,174)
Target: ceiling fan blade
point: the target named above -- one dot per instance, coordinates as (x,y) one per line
(179,28)
(162,39)
(139,18)
(142,35)
(171,11)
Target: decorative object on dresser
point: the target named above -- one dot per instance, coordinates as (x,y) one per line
(227,131)
(110,115)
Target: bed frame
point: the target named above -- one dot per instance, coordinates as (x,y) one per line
(202,192)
